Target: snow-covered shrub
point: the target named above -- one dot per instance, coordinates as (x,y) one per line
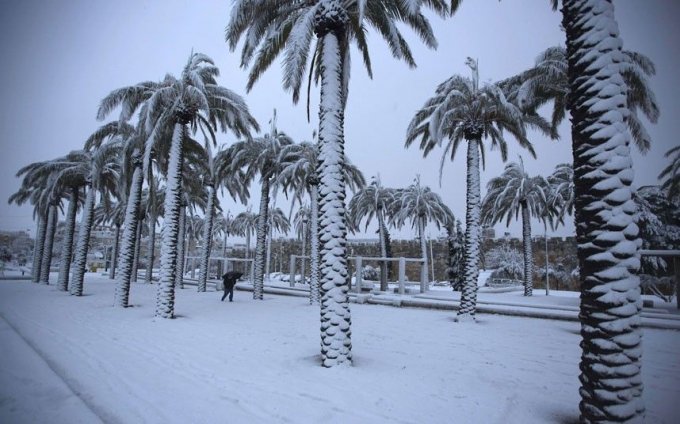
(507,262)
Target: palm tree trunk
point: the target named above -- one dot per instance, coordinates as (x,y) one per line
(258,284)
(179,277)
(128,245)
(314,295)
(423,252)
(607,236)
(468,296)
(138,248)
(547,279)
(39,247)
(83,241)
(165,298)
(336,320)
(67,243)
(528,255)
(383,250)
(46,263)
(207,238)
(303,252)
(247,253)
(114,260)
(150,247)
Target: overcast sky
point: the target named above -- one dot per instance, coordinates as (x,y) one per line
(60,58)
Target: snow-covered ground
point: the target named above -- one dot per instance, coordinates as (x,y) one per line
(258,361)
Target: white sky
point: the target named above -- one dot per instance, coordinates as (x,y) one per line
(61,58)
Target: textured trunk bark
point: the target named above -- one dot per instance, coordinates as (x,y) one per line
(303,253)
(607,236)
(383,249)
(247,254)
(268,257)
(547,278)
(80,263)
(468,296)
(258,284)
(138,248)
(114,260)
(314,295)
(38,247)
(128,245)
(165,298)
(336,320)
(150,247)
(46,263)
(207,239)
(528,255)
(67,243)
(181,242)
(423,252)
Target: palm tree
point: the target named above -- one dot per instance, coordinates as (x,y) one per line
(548,80)
(671,173)
(260,157)
(461,110)
(218,171)
(196,99)
(279,223)
(98,170)
(607,236)
(154,209)
(513,193)
(271,27)
(373,201)
(420,205)
(245,224)
(299,175)
(301,223)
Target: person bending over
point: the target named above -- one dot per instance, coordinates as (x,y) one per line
(228,280)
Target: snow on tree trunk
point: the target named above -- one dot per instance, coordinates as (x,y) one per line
(383,249)
(314,295)
(468,297)
(247,254)
(547,280)
(607,236)
(67,243)
(179,277)
(336,343)
(303,252)
(38,247)
(528,255)
(46,262)
(128,245)
(258,284)
(114,260)
(80,262)
(207,238)
(270,234)
(165,296)
(423,252)
(150,247)
(138,248)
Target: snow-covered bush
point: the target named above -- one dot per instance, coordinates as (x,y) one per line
(507,262)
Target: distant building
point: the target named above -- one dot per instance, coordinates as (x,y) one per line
(488,233)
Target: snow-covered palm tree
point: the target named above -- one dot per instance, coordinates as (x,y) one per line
(462,110)
(301,221)
(260,157)
(218,171)
(420,205)
(606,232)
(299,175)
(191,101)
(515,193)
(98,170)
(273,27)
(670,175)
(245,225)
(548,81)
(372,201)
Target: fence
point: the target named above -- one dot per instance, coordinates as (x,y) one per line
(358,265)
(225,264)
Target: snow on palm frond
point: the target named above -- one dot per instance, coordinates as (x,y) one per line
(670,175)
(419,202)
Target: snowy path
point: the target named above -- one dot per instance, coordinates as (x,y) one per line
(257,361)
(27,381)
